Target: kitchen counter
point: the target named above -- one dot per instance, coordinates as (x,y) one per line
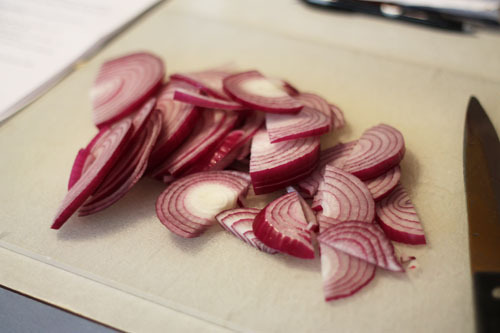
(122,267)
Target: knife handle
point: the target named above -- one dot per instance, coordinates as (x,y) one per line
(487,301)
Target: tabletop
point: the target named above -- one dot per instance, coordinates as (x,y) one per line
(123,268)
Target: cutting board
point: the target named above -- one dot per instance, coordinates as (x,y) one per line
(124,268)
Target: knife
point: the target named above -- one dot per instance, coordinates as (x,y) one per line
(482,188)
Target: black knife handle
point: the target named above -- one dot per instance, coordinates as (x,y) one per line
(487,301)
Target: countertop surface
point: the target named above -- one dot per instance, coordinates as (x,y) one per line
(121,267)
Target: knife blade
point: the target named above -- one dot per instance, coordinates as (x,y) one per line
(482,188)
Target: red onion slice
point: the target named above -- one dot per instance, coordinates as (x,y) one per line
(257,92)
(178,121)
(382,185)
(222,155)
(285,85)
(335,156)
(282,226)
(109,147)
(337,116)
(379,149)
(141,117)
(318,103)
(345,197)
(308,122)
(277,165)
(123,84)
(206,101)
(398,218)
(362,240)
(211,128)
(343,275)
(77,169)
(239,222)
(209,81)
(228,148)
(126,172)
(189,205)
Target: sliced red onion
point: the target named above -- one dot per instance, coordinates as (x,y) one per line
(77,169)
(210,129)
(318,103)
(343,275)
(123,84)
(221,156)
(253,122)
(126,172)
(379,149)
(244,152)
(398,218)
(312,223)
(345,197)
(125,164)
(325,222)
(287,86)
(108,147)
(258,92)
(230,147)
(382,185)
(239,222)
(308,122)
(362,240)
(335,156)
(277,165)
(337,116)
(206,101)
(209,81)
(189,205)
(178,121)
(141,117)
(281,225)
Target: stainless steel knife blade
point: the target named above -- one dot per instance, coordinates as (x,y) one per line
(482,187)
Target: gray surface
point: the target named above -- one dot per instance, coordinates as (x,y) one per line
(22,314)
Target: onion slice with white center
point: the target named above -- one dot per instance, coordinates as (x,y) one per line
(107,148)
(398,218)
(282,226)
(257,92)
(343,275)
(345,197)
(335,156)
(277,165)
(189,205)
(382,185)
(178,121)
(239,222)
(308,122)
(365,241)
(379,149)
(127,171)
(123,84)
(200,100)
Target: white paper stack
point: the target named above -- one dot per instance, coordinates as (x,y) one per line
(41,41)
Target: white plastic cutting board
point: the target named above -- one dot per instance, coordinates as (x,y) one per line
(122,267)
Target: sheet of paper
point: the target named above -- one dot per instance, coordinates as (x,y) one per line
(41,41)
